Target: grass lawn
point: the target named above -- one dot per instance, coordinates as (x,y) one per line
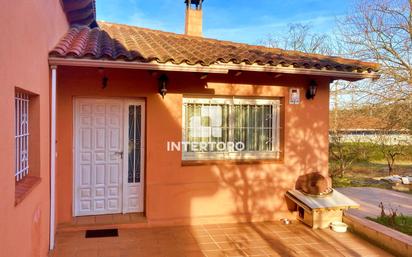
(402,223)
(367,174)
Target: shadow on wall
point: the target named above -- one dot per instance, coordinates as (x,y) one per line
(255,186)
(254,189)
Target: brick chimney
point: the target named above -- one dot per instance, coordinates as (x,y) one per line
(194,18)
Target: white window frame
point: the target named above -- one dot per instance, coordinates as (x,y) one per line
(273,154)
(22,135)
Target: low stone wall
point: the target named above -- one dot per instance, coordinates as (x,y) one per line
(391,240)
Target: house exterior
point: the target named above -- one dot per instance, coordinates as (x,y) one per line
(104,118)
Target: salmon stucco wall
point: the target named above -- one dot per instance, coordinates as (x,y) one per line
(29,30)
(182,193)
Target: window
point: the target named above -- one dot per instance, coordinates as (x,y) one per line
(134,171)
(22,135)
(27,143)
(223,128)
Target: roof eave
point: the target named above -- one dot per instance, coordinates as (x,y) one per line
(335,74)
(219,68)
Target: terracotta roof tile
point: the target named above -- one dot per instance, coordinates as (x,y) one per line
(80,12)
(122,42)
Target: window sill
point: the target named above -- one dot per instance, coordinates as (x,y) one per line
(24,187)
(230,162)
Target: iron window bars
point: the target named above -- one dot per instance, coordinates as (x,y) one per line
(22,135)
(254,122)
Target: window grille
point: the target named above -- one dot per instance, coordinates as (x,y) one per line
(22,135)
(252,122)
(134,157)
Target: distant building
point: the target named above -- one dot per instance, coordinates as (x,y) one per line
(393,137)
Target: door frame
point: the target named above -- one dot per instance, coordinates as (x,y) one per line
(125,103)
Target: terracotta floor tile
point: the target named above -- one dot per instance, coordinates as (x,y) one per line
(85,220)
(252,240)
(227,245)
(86,245)
(274,255)
(234,253)
(210,246)
(211,226)
(216,232)
(221,238)
(214,254)
(290,241)
(104,219)
(137,217)
(254,252)
(185,239)
(65,252)
(121,218)
(108,253)
(190,247)
(134,253)
(86,253)
(204,239)
(199,233)
(194,254)
(126,245)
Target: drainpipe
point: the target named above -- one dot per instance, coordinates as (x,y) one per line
(53,156)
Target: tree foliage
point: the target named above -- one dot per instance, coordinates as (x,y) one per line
(300,37)
(374,30)
(381,31)
(342,154)
(391,150)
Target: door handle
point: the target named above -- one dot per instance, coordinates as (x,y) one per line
(119,153)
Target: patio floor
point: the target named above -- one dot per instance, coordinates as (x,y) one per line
(249,239)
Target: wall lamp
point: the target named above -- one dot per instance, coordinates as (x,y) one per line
(311,92)
(105,79)
(162,83)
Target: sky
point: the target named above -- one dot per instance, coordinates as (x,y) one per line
(243,21)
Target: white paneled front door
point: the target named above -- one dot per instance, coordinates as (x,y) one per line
(108,168)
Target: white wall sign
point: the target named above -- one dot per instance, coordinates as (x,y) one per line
(294,96)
